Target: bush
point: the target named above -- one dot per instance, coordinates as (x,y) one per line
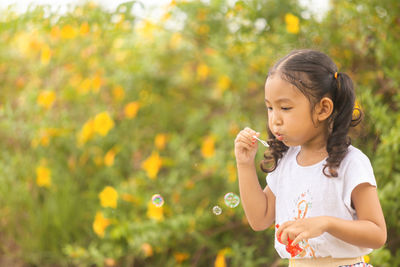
(101,110)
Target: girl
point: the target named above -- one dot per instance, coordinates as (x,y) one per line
(321,191)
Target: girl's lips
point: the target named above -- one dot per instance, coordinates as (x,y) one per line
(279,137)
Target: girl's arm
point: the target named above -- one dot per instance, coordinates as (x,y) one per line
(368,231)
(258,204)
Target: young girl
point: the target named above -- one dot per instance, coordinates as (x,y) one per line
(321,191)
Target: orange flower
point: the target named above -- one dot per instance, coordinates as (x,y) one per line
(100,224)
(131,109)
(118,93)
(152,165)
(180,256)
(147,249)
(84,29)
(108,197)
(207,148)
(160,141)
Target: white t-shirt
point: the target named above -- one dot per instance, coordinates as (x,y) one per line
(303,192)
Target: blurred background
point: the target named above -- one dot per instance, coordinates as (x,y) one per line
(103,105)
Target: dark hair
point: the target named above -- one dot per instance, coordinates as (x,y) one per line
(317,76)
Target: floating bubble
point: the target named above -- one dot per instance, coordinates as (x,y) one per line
(157,200)
(217,210)
(231,200)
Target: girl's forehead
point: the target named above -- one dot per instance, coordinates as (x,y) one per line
(275,87)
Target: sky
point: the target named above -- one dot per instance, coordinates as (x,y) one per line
(153,7)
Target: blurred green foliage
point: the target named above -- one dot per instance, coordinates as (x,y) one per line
(100,110)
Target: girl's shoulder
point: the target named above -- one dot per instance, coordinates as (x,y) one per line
(355,154)
(355,160)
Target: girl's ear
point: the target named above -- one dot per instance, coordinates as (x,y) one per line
(324,108)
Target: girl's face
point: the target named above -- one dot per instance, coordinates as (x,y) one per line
(289,112)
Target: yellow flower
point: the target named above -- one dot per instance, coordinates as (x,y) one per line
(129,198)
(45,55)
(176,40)
(154,212)
(97,82)
(160,141)
(147,249)
(43,176)
(224,82)
(103,123)
(231,173)
(366,258)
(202,71)
(86,133)
(152,165)
(44,137)
(146,30)
(203,29)
(100,224)
(46,99)
(55,32)
(131,109)
(85,86)
(84,29)
(180,256)
(108,197)
(110,156)
(118,93)
(68,32)
(220,260)
(292,23)
(207,148)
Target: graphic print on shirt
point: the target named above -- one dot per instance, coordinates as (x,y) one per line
(302,205)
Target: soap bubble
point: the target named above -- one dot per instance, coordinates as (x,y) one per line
(157,200)
(231,200)
(217,210)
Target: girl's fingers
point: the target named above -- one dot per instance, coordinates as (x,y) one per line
(282,230)
(245,138)
(241,143)
(299,238)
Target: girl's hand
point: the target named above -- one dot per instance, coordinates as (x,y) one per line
(246,146)
(302,229)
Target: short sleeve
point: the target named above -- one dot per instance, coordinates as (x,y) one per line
(272,181)
(358,170)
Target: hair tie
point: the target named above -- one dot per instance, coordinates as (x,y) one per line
(336,75)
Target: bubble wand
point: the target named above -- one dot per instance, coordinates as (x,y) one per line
(261,141)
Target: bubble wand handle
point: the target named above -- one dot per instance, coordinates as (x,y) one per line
(261,141)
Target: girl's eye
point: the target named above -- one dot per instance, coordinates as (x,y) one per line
(269,108)
(286,108)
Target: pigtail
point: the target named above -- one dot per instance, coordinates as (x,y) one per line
(341,120)
(273,154)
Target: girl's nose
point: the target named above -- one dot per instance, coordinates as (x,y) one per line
(275,119)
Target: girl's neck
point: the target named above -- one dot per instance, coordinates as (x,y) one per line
(313,151)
